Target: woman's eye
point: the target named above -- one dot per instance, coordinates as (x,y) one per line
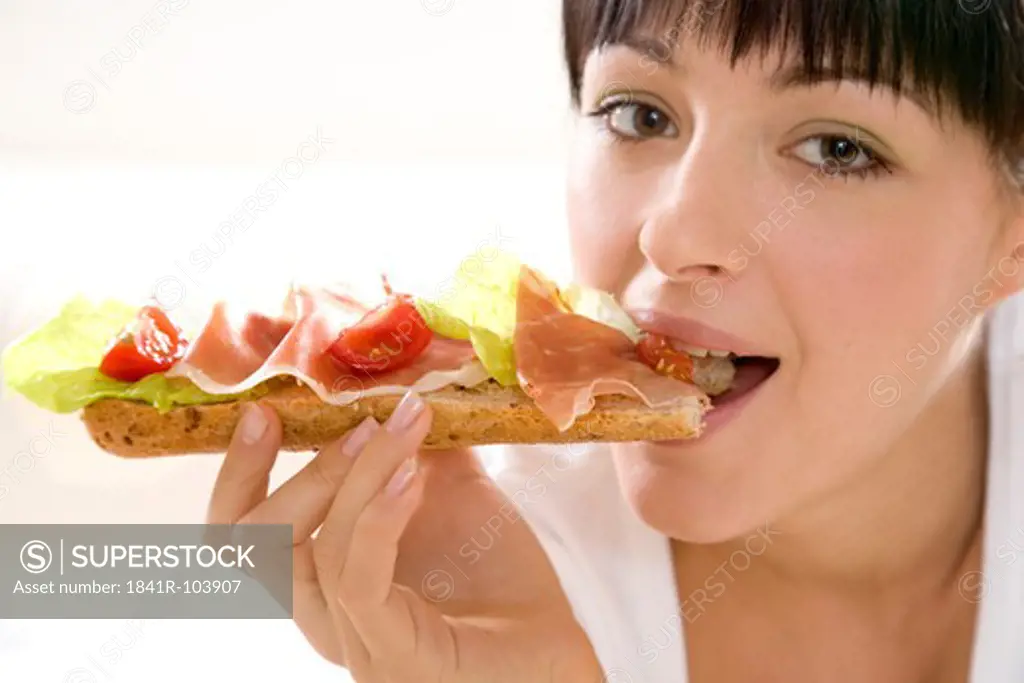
(638,121)
(850,155)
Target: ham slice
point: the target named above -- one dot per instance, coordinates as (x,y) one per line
(564,361)
(232,354)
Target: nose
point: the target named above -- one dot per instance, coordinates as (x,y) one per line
(686,232)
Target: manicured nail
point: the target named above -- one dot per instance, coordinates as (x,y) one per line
(401,479)
(359,437)
(406,413)
(254,425)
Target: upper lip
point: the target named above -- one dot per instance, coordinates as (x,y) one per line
(692,333)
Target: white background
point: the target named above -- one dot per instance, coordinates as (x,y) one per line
(447,121)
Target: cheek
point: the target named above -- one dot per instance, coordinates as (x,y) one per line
(603,214)
(882,300)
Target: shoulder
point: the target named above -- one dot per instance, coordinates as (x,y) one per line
(1003,602)
(555,482)
(615,571)
(569,495)
(1006,335)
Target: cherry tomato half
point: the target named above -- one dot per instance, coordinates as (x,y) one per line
(656,351)
(151,344)
(389,337)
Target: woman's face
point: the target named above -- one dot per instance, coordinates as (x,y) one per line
(843,231)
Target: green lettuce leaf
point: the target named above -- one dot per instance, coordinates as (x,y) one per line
(482,293)
(493,350)
(56,366)
(440,321)
(478,304)
(495,354)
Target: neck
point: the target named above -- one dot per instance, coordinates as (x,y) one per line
(914,519)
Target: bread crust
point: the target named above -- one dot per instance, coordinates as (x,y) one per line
(483,415)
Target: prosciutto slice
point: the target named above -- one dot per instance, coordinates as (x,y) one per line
(235,353)
(564,360)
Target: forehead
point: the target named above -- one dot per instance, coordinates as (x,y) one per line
(772,30)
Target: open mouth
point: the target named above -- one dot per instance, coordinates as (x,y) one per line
(751,373)
(725,367)
(726,376)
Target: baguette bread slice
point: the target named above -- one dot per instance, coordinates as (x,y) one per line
(482,415)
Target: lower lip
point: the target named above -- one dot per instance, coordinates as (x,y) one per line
(718,418)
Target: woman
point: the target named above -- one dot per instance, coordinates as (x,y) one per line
(836,185)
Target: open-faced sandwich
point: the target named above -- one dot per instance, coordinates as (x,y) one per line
(504,356)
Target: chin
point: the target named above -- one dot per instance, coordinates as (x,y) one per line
(709,490)
(686,503)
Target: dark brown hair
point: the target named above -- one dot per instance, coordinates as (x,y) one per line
(965,56)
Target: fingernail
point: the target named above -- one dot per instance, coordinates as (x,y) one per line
(401,479)
(406,413)
(254,425)
(359,437)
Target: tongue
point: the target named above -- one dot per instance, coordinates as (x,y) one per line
(748,376)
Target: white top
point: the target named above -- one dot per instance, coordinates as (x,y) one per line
(618,574)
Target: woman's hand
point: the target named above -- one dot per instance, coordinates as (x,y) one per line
(388,607)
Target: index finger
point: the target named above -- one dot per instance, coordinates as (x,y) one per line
(244,477)
(303,500)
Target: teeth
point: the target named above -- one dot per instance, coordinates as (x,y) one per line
(698,352)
